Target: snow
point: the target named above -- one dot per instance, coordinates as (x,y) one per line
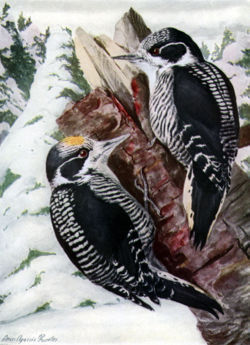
(119,324)
(4,130)
(242,155)
(232,54)
(16,102)
(239,79)
(48,281)
(29,33)
(6,39)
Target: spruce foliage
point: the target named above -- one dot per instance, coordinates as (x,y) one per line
(19,61)
(226,40)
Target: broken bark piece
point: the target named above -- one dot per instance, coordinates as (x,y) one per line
(87,65)
(113,49)
(112,77)
(130,30)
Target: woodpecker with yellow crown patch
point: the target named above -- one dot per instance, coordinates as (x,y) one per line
(193,112)
(104,231)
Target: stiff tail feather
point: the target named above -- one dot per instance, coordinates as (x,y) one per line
(202,201)
(178,290)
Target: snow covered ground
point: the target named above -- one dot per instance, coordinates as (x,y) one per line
(42,296)
(121,323)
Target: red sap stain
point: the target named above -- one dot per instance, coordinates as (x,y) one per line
(137,106)
(161,182)
(98,103)
(120,107)
(167,209)
(130,147)
(135,89)
(179,239)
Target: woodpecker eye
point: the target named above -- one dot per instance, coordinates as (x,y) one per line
(83,153)
(155,51)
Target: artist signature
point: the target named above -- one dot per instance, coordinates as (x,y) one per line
(21,339)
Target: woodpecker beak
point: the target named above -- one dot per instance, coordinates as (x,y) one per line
(128,57)
(108,146)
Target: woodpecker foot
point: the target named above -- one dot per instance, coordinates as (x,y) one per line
(144,190)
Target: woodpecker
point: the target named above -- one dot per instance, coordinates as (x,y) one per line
(104,231)
(193,112)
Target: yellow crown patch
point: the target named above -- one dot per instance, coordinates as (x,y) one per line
(73,141)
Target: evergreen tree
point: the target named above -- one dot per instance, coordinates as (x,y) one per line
(247,92)
(39,46)
(244,112)
(5,12)
(218,51)
(6,95)
(23,23)
(205,51)
(18,62)
(244,62)
(72,65)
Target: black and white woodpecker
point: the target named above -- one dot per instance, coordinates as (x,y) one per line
(104,231)
(193,112)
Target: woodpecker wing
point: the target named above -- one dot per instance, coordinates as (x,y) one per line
(207,121)
(96,236)
(207,118)
(202,201)
(106,226)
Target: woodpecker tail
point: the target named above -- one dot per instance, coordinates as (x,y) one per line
(178,290)
(202,201)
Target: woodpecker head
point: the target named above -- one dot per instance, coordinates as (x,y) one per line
(165,49)
(74,158)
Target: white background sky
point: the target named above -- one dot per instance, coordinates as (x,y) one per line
(204,20)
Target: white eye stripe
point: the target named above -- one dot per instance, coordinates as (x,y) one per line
(172,44)
(66,150)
